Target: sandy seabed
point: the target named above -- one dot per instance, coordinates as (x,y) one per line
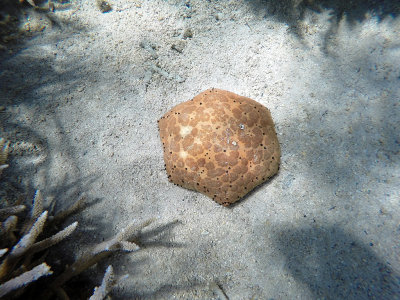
(80,103)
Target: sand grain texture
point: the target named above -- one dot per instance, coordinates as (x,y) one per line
(79,104)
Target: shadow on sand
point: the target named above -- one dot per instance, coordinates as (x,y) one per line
(334,265)
(293,12)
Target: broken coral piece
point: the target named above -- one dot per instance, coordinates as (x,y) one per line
(25,279)
(106,284)
(220,144)
(3,154)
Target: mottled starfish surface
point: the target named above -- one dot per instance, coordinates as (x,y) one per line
(220,144)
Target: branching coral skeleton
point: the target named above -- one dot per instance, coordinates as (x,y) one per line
(13,275)
(18,245)
(25,278)
(123,241)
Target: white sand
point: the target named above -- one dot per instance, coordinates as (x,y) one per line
(82,102)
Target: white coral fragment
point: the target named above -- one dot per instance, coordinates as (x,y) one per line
(28,239)
(3,154)
(54,239)
(36,210)
(37,207)
(102,250)
(24,279)
(129,246)
(106,284)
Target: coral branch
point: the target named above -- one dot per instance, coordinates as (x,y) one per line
(54,239)
(8,225)
(7,229)
(28,239)
(22,246)
(24,279)
(122,237)
(36,210)
(3,154)
(37,207)
(70,210)
(99,252)
(3,251)
(12,210)
(108,280)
